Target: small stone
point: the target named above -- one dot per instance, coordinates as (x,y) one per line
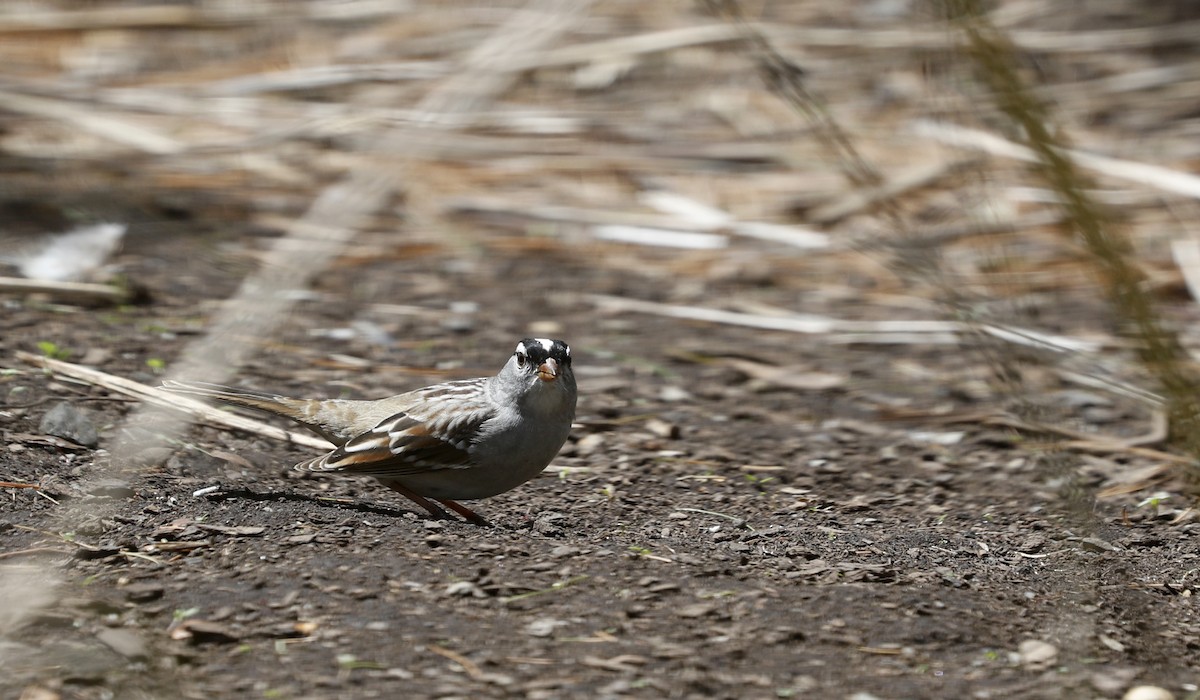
(695,610)
(463,589)
(125,642)
(589,443)
(1147,692)
(1111,643)
(1110,681)
(458,324)
(663,429)
(34,692)
(543,627)
(80,663)
(1095,544)
(151,457)
(672,394)
(204,632)
(111,488)
(143,592)
(1035,653)
(70,423)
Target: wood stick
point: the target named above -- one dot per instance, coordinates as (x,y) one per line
(902,332)
(913,179)
(199,411)
(67,291)
(87,118)
(1157,176)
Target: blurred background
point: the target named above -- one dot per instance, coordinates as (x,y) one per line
(789,242)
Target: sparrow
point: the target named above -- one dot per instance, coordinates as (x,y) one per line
(459,440)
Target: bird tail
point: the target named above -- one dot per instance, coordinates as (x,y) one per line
(259,400)
(332,420)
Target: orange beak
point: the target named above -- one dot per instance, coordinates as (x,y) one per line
(548,370)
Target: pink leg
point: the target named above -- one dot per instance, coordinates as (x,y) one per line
(433,508)
(470,515)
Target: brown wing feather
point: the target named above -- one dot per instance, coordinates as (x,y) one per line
(403,445)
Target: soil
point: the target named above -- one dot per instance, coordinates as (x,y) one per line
(702,535)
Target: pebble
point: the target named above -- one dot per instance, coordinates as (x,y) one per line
(1095,544)
(589,443)
(463,589)
(695,610)
(663,429)
(672,394)
(204,632)
(125,642)
(1035,653)
(1147,692)
(143,592)
(112,488)
(543,626)
(34,692)
(70,423)
(1110,681)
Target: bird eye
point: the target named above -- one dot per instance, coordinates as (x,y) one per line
(521,359)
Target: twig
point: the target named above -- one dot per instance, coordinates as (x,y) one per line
(197,410)
(72,291)
(101,18)
(905,332)
(1081,441)
(316,77)
(857,38)
(468,665)
(705,217)
(640,235)
(33,550)
(86,117)
(1153,175)
(556,586)
(190,17)
(864,198)
(732,518)
(607,221)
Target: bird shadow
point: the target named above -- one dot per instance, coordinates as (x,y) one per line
(229,494)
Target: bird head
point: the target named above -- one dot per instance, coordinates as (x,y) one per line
(542,367)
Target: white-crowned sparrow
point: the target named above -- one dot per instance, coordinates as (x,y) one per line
(472,438)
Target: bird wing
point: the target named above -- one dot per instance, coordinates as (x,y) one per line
(405,444)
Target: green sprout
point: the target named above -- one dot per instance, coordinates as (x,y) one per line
(1154,501)
(182,614)
(52,350)
(757,480)
(350,662)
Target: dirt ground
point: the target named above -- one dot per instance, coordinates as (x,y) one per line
(701,535)
(739,513)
